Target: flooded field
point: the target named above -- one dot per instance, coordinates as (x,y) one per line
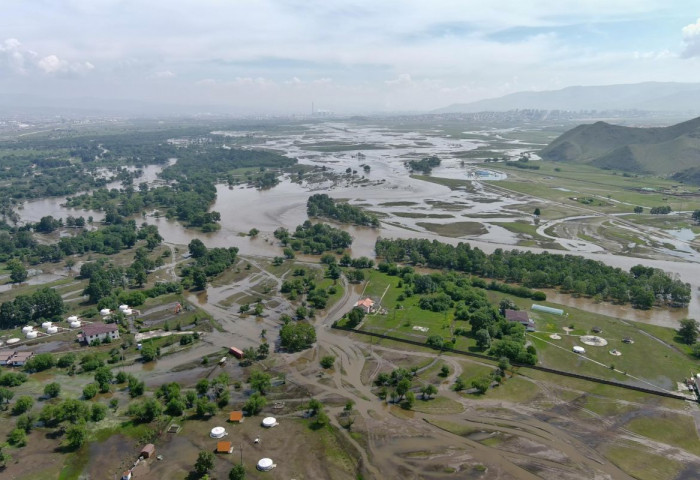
(470,209)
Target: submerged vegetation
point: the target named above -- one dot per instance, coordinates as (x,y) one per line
(321,205)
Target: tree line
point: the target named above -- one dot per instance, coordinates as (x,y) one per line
(641,286)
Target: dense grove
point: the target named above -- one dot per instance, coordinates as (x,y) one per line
(208,262)
(108,240)
(641,286)
(424,165)
(321,205)
(45,303)
(314,238)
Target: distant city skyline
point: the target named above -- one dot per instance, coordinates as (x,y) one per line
(277,57)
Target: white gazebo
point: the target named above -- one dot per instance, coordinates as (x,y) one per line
(265,464)
(269,422)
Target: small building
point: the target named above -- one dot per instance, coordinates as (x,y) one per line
(579,350)
(126,475)
(236,352)
(148,451)
(522,318)
(366,304)
(98,331)
(236,416)
(5,356)
(20,358)
(224,447)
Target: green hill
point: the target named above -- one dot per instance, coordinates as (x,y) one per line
(658,150)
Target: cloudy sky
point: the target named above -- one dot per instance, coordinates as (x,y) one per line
(277,56)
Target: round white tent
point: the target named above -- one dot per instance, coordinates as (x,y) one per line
(217,432)
(265,464)
(269,422)
(73,318)
(578,349)
(12,341)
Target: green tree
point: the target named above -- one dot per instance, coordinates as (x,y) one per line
(328,361)
(688,331)
(98,412)
(255,404)
(204,407)
(638,209)
(237,472)
(52,390)
(202,386)
(696,216)
(409,400)
(197,248)
(104,377)
(149,351)
(18,273)
(199,279)
(204,463)
(17,438)
(481,384)
(6,395)
(89,391)
(22,405)
(444,371)
(76,435)
(260,381)
(40,362)
(483,339)
(504,365)
(428,391)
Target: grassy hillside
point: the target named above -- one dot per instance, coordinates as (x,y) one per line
(662,151)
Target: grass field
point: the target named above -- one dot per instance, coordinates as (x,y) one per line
(669,367)
(617,193)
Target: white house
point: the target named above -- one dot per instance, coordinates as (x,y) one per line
(99,331)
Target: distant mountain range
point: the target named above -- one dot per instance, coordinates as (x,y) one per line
(648,96)
(658,150)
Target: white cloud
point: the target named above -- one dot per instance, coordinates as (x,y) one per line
(691,40)
(162,74)
(23,61)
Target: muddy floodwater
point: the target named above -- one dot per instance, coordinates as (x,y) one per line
(406,204)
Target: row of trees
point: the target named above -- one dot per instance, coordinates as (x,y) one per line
(573,274)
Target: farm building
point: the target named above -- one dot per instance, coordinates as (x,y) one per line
(366,304)
(236,416)
(5,356)
(20,358)
(224,447)
(522,318)
(148,451)
(98,331)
